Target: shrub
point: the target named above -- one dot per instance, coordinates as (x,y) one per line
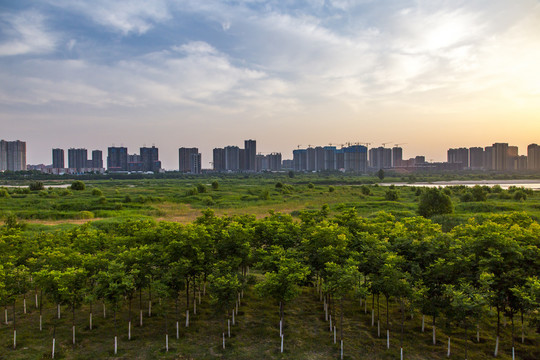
(127,199)
(215,185)
(479,193)
(391,195)
(192,191)
(36,186)
(97,192)
(310,186)
(331,189)
(434,202)
(279,185)
(520,195)
(4,193)
(467,196)
(78,185)
(201,188)
(85,215)
(365,190)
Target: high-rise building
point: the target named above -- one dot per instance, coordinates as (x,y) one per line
(340,160)
(58,158)
(300,160)
(355,158)
(195,163)
(150,159)
(271,162)
(77,159)
(533,157)
(329,158)
(488,158)
(250,153)
(319,158)
(12,155)
(380,158)
(476,158)
(232,158)
(97,159)
(458,156)
(219,159)
(184,158)
(310,158)
(117,159)
(397,156)
(500,157)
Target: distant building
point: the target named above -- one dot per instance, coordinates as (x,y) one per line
(250,153)
(58,158)
(476,158)
(97,159)
(380,158)
(300,160)
(397,156)
(219,159)
(488,158)
(499,161)
(77,159)
(12,155)
(310,159)
(533,157)
(329,158)
(117,159)
(458,156)
(271,162)
(232,158)
(195,163)
(150,159)
(287,164)
(185,157)
(355,158)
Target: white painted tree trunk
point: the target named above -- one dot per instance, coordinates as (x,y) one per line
(14,339)
(233,322)
(194,308)
(401,354)
(24,305)
(53,345)
(448,351)
(140,318)
(104,311)
(223,340)
(40,322)
(236,307)
(199,293)
(73,334)
(6,317)
(129,330)
(478,333)
(282,343)
(365,307)
(280,327)
(115,345)
(434,336)
(58,310)
(513,354)
(423,322)
(496,347)
(167,342)
(177,330)
(229,327)
(330,318)
(187,318)
(334,334)
(90,321)
(341,349)
(372,317)
(387,339)
(36,300)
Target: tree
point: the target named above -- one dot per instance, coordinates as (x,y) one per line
(78,185)
(434,202)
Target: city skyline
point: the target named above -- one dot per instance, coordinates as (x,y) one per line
(431,75)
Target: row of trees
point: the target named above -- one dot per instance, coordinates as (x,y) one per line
(452,277)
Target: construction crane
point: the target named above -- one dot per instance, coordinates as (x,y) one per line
(396,145)
(384,143)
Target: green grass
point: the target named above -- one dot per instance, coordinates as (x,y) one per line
(255,336)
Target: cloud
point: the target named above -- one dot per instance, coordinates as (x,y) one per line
(27,34)
(126,17)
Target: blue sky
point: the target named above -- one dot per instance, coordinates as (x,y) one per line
(428,74)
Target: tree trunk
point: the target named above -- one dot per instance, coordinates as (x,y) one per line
(498,331)
(150,300)
(54,338)
(341,320)
(129,318)
(402,324)
(434,332)
(58,310)
(387,325)
(513,344)
(522,329)
(166,332)
(14,328)
(372,309)
(73,321)
(177,317)
(90,315)
(466,342)
(140,308)
(115,331)
(41,310)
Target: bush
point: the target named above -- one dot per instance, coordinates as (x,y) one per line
(201,188)
(434,202)
(331,189)
(127,199)
(310,186)
(78,185)
(4,193)
(215,185)
(97,192)
(391,195)
(520,195)
(85,215)
(192,191)
(36,186)
(467,197)
(365,190)
(279,185)
(479,193)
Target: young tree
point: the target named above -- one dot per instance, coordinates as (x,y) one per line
(434,201)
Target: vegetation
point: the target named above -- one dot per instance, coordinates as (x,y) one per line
(318,280)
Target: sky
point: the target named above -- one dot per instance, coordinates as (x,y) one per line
(428,75)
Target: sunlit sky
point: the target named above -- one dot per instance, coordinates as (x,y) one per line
(425,74)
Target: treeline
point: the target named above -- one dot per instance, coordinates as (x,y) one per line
(453,277)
